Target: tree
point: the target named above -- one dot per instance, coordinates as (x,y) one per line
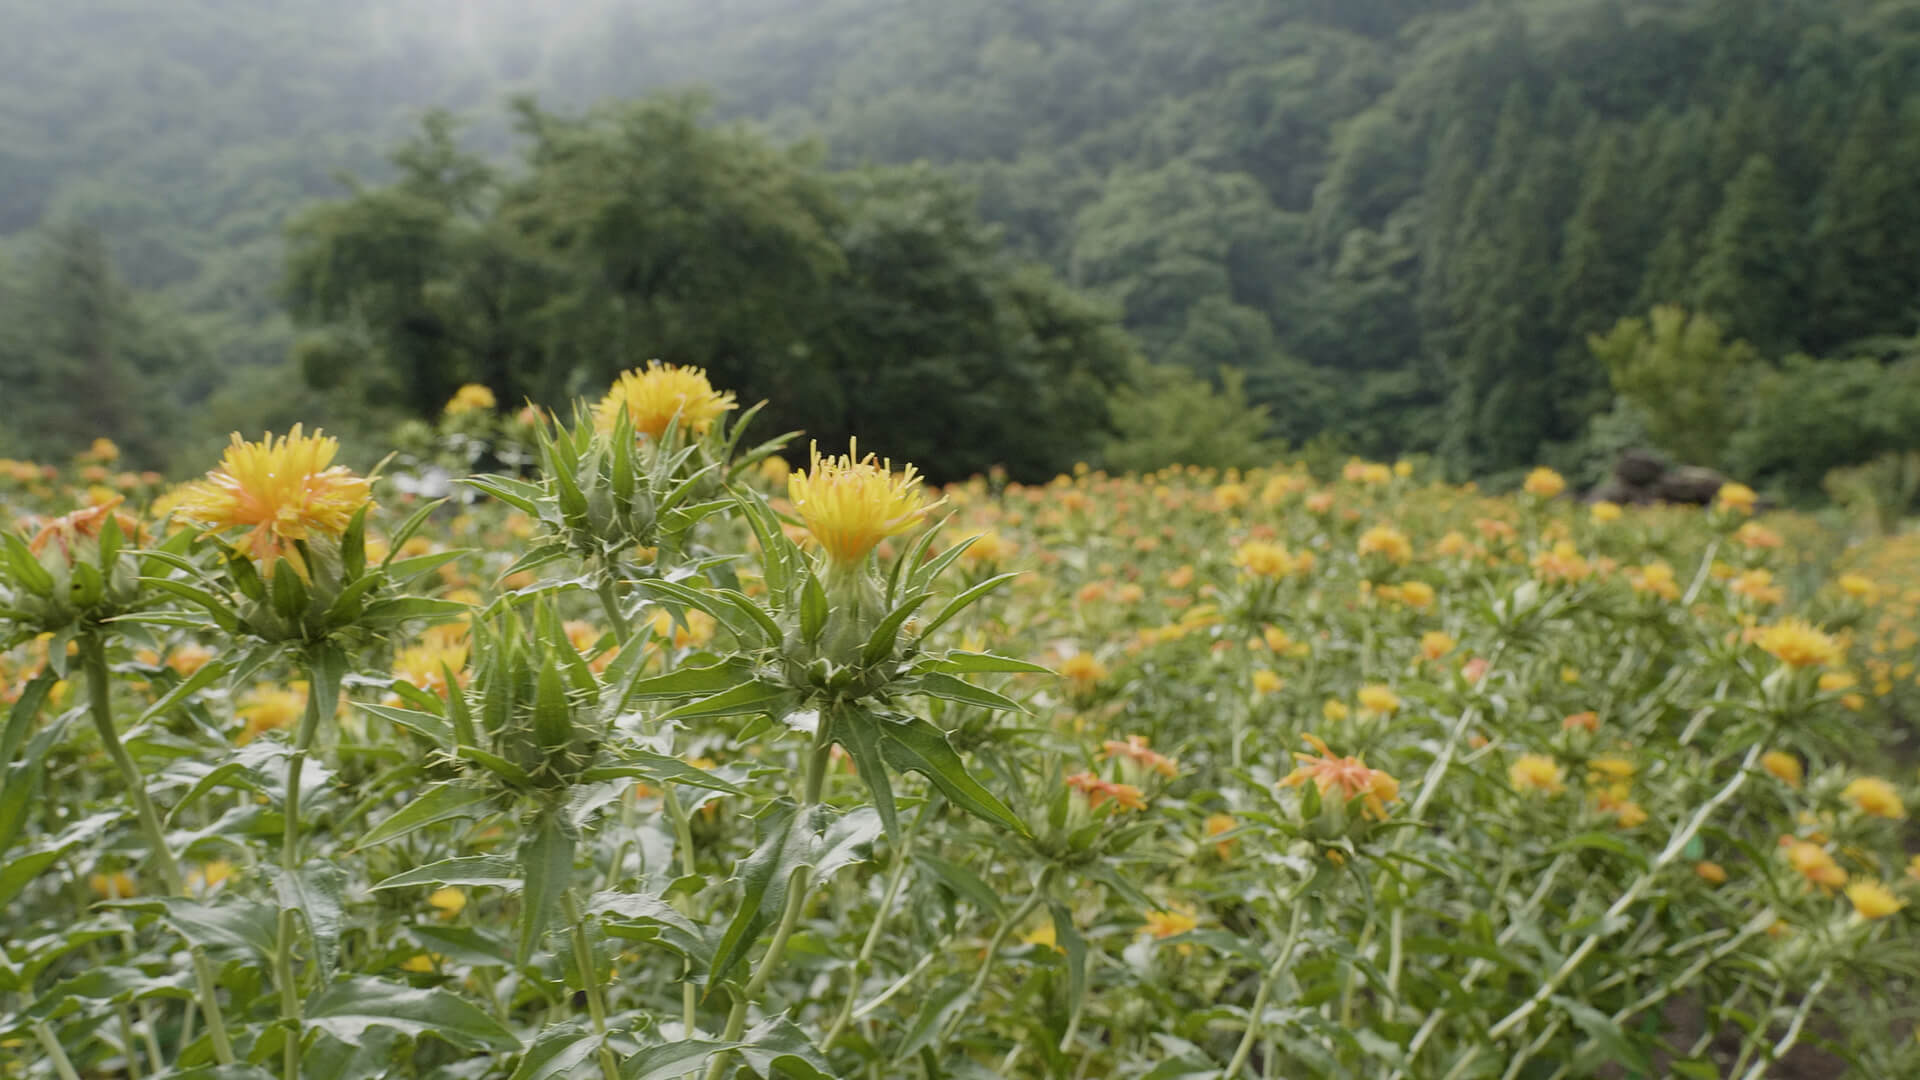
(1748,279)
(1679,370)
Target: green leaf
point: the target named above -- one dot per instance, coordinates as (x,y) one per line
(209,671)
(745,699)
(403,608)
(558,1051)
(317,892)
(408,527)
(546,864)
(858,731)
(965,600)
(880,643)
(972,663)
(691,681)
(1067,936)
(350,1005)
(1607,1036)
(659,768)
(965,883)
(669,1060)
(444,801)
(17,873)
(755,613)
(428,726)
(495,871)
(936,684)
(814,608)
(778,1048)
(20,716)
(635,917)
(401,571)
(518,494)
(229,923)
(911,744)
(790,840)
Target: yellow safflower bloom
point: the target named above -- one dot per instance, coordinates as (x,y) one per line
(1417,595)
(1261,559)
(1813,863)
(270,708)
(1165,924)
(1798,643)
(1379,700)
(1873,900)
(1604,511)
(473,397)
(1783,766)
(1084,670)
(1267,682)
(1711,872)
(654,395)
(1335,710)
(1435,644)
(850,503)
(1874,797)
(285,489)
(1545,483)
(448,901)
(1220,825)
(1385,541)
(1537,772)
(1736,497)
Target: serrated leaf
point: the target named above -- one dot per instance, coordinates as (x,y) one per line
(745,699)
(484,871)
(659,768)
(964,882)
(557,1052)
(959,662)
(635,917)
(546,866)
(777,1047)
(444,801)
(911,744)
(317,891)
(791,840)
(670,1060)
(433,728)
(937,684)
(229,923)
(350,1005)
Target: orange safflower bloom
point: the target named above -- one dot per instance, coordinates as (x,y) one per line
(1348,776)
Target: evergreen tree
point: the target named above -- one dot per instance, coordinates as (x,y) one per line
(1749,277)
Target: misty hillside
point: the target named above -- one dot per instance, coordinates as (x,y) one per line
(1401,219)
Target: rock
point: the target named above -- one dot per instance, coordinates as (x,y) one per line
(1690,484)
(1614,491)
(1639,468)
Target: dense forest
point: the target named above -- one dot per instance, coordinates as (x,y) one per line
(1387,226)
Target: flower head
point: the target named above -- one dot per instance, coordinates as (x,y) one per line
(1873,900)
(1874,797)
(1537,772)
(1099,791)
(1379,700)
(1783,766)
(1136,752)
(1604,511)
(473,397)
(283,490)
(1261,559)
(1735,497)
(654,395)
(1179,919)
(1545,483)
(1385,541)
(1435,644)
(1348,777)
(1798,643)
(850,504)
(1813,863)
(270,708)
(68,530)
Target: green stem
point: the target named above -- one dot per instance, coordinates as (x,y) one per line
(815,781)
(287,927)
(1628,898)
(1793,1028)
(610,603)
(61,1066)
(1279,968)
(1007,926)
(590,981)
(895,877)
(93,658)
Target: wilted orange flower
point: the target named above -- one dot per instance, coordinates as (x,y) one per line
(1758,586)
(284,490)
(1874,797)
(1319,502)
(1435,644)
(1563,562)
(1098,791)
(1135,750)
(654,395)
(1812,862)
(1755,536)
(1545,483)
(1537,772)
(1711,872)
(1797,643)
(84,524)
(849,504)
(1387,542)
(1349,777)
(1585,721)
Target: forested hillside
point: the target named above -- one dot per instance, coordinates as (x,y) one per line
(1402,219)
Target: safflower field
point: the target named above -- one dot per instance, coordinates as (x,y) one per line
(643,755)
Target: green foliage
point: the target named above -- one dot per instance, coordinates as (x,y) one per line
(1881,492)
(1174,417)
(1810,417)
(866,304)
(1679,370)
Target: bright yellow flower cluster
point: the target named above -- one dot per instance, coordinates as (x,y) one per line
(653,396)
(282,490)
(850,503)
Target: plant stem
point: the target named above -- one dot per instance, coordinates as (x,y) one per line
(61,1066)
(590,981)
(815,779)
(93,657)
(286,928)
(1628,898)
(610,603)
(1793,1028)
(1007,926)
(1254,1014)
(895,877)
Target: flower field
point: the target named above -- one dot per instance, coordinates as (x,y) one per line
(654,758)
